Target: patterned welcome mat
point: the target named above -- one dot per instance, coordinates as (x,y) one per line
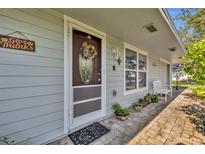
(88,134)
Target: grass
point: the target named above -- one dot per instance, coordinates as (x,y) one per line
(198,90)
(183,84)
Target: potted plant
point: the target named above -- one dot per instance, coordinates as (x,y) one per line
(137,106)
(146,100)
(154,98)
(121,113)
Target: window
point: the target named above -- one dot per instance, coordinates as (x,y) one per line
(135,70)
(131,80)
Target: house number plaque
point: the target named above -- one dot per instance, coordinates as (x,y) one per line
(16,43)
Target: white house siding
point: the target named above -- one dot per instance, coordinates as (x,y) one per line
(153,71)
(31,83)
(115,79)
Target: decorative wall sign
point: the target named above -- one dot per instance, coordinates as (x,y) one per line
(16,43)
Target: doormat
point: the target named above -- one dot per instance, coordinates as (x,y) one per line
(88,134)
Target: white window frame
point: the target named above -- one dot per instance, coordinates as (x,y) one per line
(138,51)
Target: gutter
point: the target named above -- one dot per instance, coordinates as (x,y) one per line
(170,23)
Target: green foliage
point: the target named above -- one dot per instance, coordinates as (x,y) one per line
(199,91)
(126,111)
(193,29)
(182,83)
(194,62)
(197,22)
(117,107)
(154,98)
(121,111)
(146,98)
(6,140)
(150,98)
(137,106)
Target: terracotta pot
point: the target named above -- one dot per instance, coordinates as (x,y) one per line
(122,118)
(145,103)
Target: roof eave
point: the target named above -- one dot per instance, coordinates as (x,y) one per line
(170,23)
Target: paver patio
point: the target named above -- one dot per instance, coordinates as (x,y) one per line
(172,125)
(123,131)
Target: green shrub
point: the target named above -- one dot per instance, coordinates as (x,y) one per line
(199,91)
(194,61)
(121,111)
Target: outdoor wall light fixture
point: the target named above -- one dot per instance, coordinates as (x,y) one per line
(114,92)
(116,54)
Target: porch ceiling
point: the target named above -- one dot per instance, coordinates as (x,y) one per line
(128,25)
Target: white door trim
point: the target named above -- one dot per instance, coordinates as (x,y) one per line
(69,25)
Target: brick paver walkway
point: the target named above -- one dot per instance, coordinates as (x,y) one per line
(172,125)
(123,131)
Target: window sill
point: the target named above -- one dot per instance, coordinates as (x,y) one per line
(129,92)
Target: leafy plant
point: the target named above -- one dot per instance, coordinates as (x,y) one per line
(6,140)
(199,91)
(193,28)
(137,106)
(121,111)
(126,111)
(117,108)
(146,99)
(194,62)
(154,98)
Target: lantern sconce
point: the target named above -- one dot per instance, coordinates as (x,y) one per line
(116,54)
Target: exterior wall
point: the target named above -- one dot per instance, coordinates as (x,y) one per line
(115,79)
(153,71)
(31,83)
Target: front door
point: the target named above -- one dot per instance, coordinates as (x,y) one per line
(87,101)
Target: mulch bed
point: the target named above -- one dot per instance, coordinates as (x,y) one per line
(197,116)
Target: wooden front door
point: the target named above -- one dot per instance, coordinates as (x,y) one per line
(86,77)
(86,59)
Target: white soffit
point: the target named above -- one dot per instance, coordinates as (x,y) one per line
(128,25)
